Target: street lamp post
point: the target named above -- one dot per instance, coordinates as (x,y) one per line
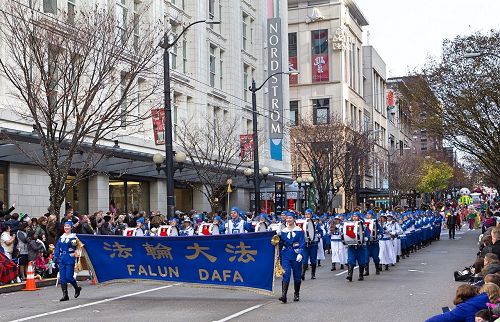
(304,183)
(256,178)
(251,176)
(169,153)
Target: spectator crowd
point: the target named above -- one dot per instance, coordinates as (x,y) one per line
(479,299)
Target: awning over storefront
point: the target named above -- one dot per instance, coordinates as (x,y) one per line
(15,146)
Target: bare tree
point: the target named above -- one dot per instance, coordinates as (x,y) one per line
(466,110)
(79,78)
(322,149)
(358,148)
(214,151)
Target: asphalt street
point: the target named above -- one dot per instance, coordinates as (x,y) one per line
(413,290)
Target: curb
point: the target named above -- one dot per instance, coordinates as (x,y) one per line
(10,288)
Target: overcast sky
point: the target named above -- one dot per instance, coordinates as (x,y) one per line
(406,32)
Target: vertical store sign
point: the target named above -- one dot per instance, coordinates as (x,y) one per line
(158,117)
(279,197)
(275,64)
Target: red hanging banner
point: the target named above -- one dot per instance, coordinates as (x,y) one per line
(320,67)
(246,147)
(158,117)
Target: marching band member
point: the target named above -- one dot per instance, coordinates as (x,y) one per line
(310,250)
(386,254)
(235,224)
(217,224)
(65,257)
(357,253)
(338,248)
(292,248)
(188,229)
(320,232)
(395,231)
(372,247)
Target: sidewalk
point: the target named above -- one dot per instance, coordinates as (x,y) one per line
(9,288)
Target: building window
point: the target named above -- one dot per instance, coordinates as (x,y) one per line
(246,70)
(123,107)
(136,26)
(244,19)
(221,69)
(71,11)
(423,146)
(50,6)
(366,121)
(212,64)
(321,113)
(320,70)
(173,51)
(184,56)
(121,16)
(179,4)
(294,113)
(292,57)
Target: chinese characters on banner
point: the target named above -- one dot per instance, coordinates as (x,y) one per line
(229,260)
(320,67)
(246,147)
(319,55)
(158,117)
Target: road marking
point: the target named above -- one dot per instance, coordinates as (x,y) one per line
(93,303)
(239,313)
(415,270)
(342,273)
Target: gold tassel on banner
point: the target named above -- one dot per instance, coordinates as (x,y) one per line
(78,253)
(278,269)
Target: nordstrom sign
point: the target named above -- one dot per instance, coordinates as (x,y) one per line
(275,64)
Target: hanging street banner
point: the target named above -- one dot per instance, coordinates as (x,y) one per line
(246,147)
(158,117)
(240,260)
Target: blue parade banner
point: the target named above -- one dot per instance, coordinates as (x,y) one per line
(241,260)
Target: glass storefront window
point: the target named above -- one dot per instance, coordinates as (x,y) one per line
(77,197)
(129,196)
(3,186)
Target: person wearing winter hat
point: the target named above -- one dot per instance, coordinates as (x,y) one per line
(65,256)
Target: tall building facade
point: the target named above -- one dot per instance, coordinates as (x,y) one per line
(212,67)
(375,83)
(340,80)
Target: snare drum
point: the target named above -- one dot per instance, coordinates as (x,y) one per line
(260,226)
(168,230)
(309,230)
(371,225)
(129,232)
(353,232)
(300,223)
(278,227)
(208,229)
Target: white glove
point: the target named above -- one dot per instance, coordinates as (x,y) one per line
(299,258)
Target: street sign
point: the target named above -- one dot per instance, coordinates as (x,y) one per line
(279,197)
